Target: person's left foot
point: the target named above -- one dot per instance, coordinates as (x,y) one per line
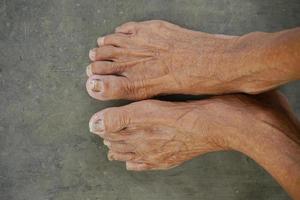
(154,134)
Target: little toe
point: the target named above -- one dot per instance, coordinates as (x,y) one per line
(136,166)
(112,155)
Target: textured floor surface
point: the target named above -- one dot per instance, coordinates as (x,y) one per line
(46,150)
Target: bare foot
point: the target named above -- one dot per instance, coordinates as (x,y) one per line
(145,59)
(153,134)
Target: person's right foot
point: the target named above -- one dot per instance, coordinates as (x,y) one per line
(144,59)
(153,134)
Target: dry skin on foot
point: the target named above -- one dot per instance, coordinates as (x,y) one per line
(151,134)
(145,59)
(162,135)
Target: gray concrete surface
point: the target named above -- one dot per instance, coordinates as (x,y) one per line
(46,150)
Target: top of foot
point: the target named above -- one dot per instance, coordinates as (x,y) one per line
(144,59)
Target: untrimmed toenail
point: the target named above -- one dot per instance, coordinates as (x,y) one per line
(97,126)
(89,70)
(95,85)
(92,54)
(100,41)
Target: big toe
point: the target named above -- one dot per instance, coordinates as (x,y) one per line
(109,120)
(110,87)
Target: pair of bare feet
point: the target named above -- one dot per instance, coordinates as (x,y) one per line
(145,59)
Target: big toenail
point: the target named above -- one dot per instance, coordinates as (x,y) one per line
(89,70)
(97,126)
(100,41)
(107,143)
(95,85)
(92,54)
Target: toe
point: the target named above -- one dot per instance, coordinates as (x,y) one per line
(116,39)
(89,71)
(120,136)
(92,54)
(107,67)
(109,87)
(94,86)
(96,124)
(100,41)
(112,155)
(135,166)
(110,120)
(127,28)
(104,53)
(112,53)
(106,87)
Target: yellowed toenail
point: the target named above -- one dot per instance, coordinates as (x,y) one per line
(95,85)
(107,143)
(97,126)
(89,70)
(92,54)
(100,41)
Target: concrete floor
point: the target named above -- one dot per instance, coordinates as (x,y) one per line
(46,150)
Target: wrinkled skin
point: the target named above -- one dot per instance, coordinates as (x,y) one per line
(153,134)
(141,60)
(145,59)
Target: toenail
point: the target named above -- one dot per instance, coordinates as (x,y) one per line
(95,85)
(89,70)
(107,143)
(110,157)
(97,126)
(100,41)
(92,54)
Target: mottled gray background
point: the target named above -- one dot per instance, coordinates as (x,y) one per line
(46,150)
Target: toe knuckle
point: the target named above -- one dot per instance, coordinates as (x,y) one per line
(143,91)
(115,119)
(120,88)
(113,88)
(115,66)
(110,39)
(107,112)
(137,89)
(106,115)
(112,50)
